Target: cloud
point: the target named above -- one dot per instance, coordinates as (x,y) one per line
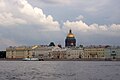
(7,19)
(77,25)
(21,12)
(94,28)
(2,4)
(115,27)
(38,16)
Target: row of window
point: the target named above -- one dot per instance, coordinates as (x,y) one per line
(74,53)
(95,50)
(94,53)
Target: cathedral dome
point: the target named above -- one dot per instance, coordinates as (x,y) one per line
(70,40)
(70,35)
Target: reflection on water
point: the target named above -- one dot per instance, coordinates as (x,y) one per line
(59,70)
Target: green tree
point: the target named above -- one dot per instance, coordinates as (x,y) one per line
(81,46)
(51,44)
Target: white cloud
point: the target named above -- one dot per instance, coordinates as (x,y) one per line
(77,25)
(115,27)
(7,19)
(37,16)
(2,4)
(21,12)
(103,28)
(94,28)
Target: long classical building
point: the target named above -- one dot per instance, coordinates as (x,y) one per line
(56,52)
(39,51)
(44,52)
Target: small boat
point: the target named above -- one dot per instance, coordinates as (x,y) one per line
(30,59)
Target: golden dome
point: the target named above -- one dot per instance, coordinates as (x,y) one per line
(70,34)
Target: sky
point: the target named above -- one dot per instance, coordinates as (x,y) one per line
(39,22)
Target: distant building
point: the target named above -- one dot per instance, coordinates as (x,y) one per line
(37,51)
(58,53)
(52,44)
(94,52)
(112,53)
(102,52)
(70,40)
(74,53)
(19,52)
(42,52)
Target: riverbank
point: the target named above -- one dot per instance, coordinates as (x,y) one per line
(4,59)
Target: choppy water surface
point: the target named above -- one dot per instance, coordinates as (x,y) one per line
(59,70)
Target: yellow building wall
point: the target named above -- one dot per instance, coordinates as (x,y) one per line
(94,52)
(18,53)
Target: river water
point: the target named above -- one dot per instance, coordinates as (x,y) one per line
(59,70)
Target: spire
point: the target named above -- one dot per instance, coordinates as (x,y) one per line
(70,31)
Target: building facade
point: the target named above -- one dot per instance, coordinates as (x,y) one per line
(19,52)
(112,53)
(42,51)
(74,53)
(94,52)
(58,53)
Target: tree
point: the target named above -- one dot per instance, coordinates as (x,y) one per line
(81,46)
(59,45)
(51,44)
